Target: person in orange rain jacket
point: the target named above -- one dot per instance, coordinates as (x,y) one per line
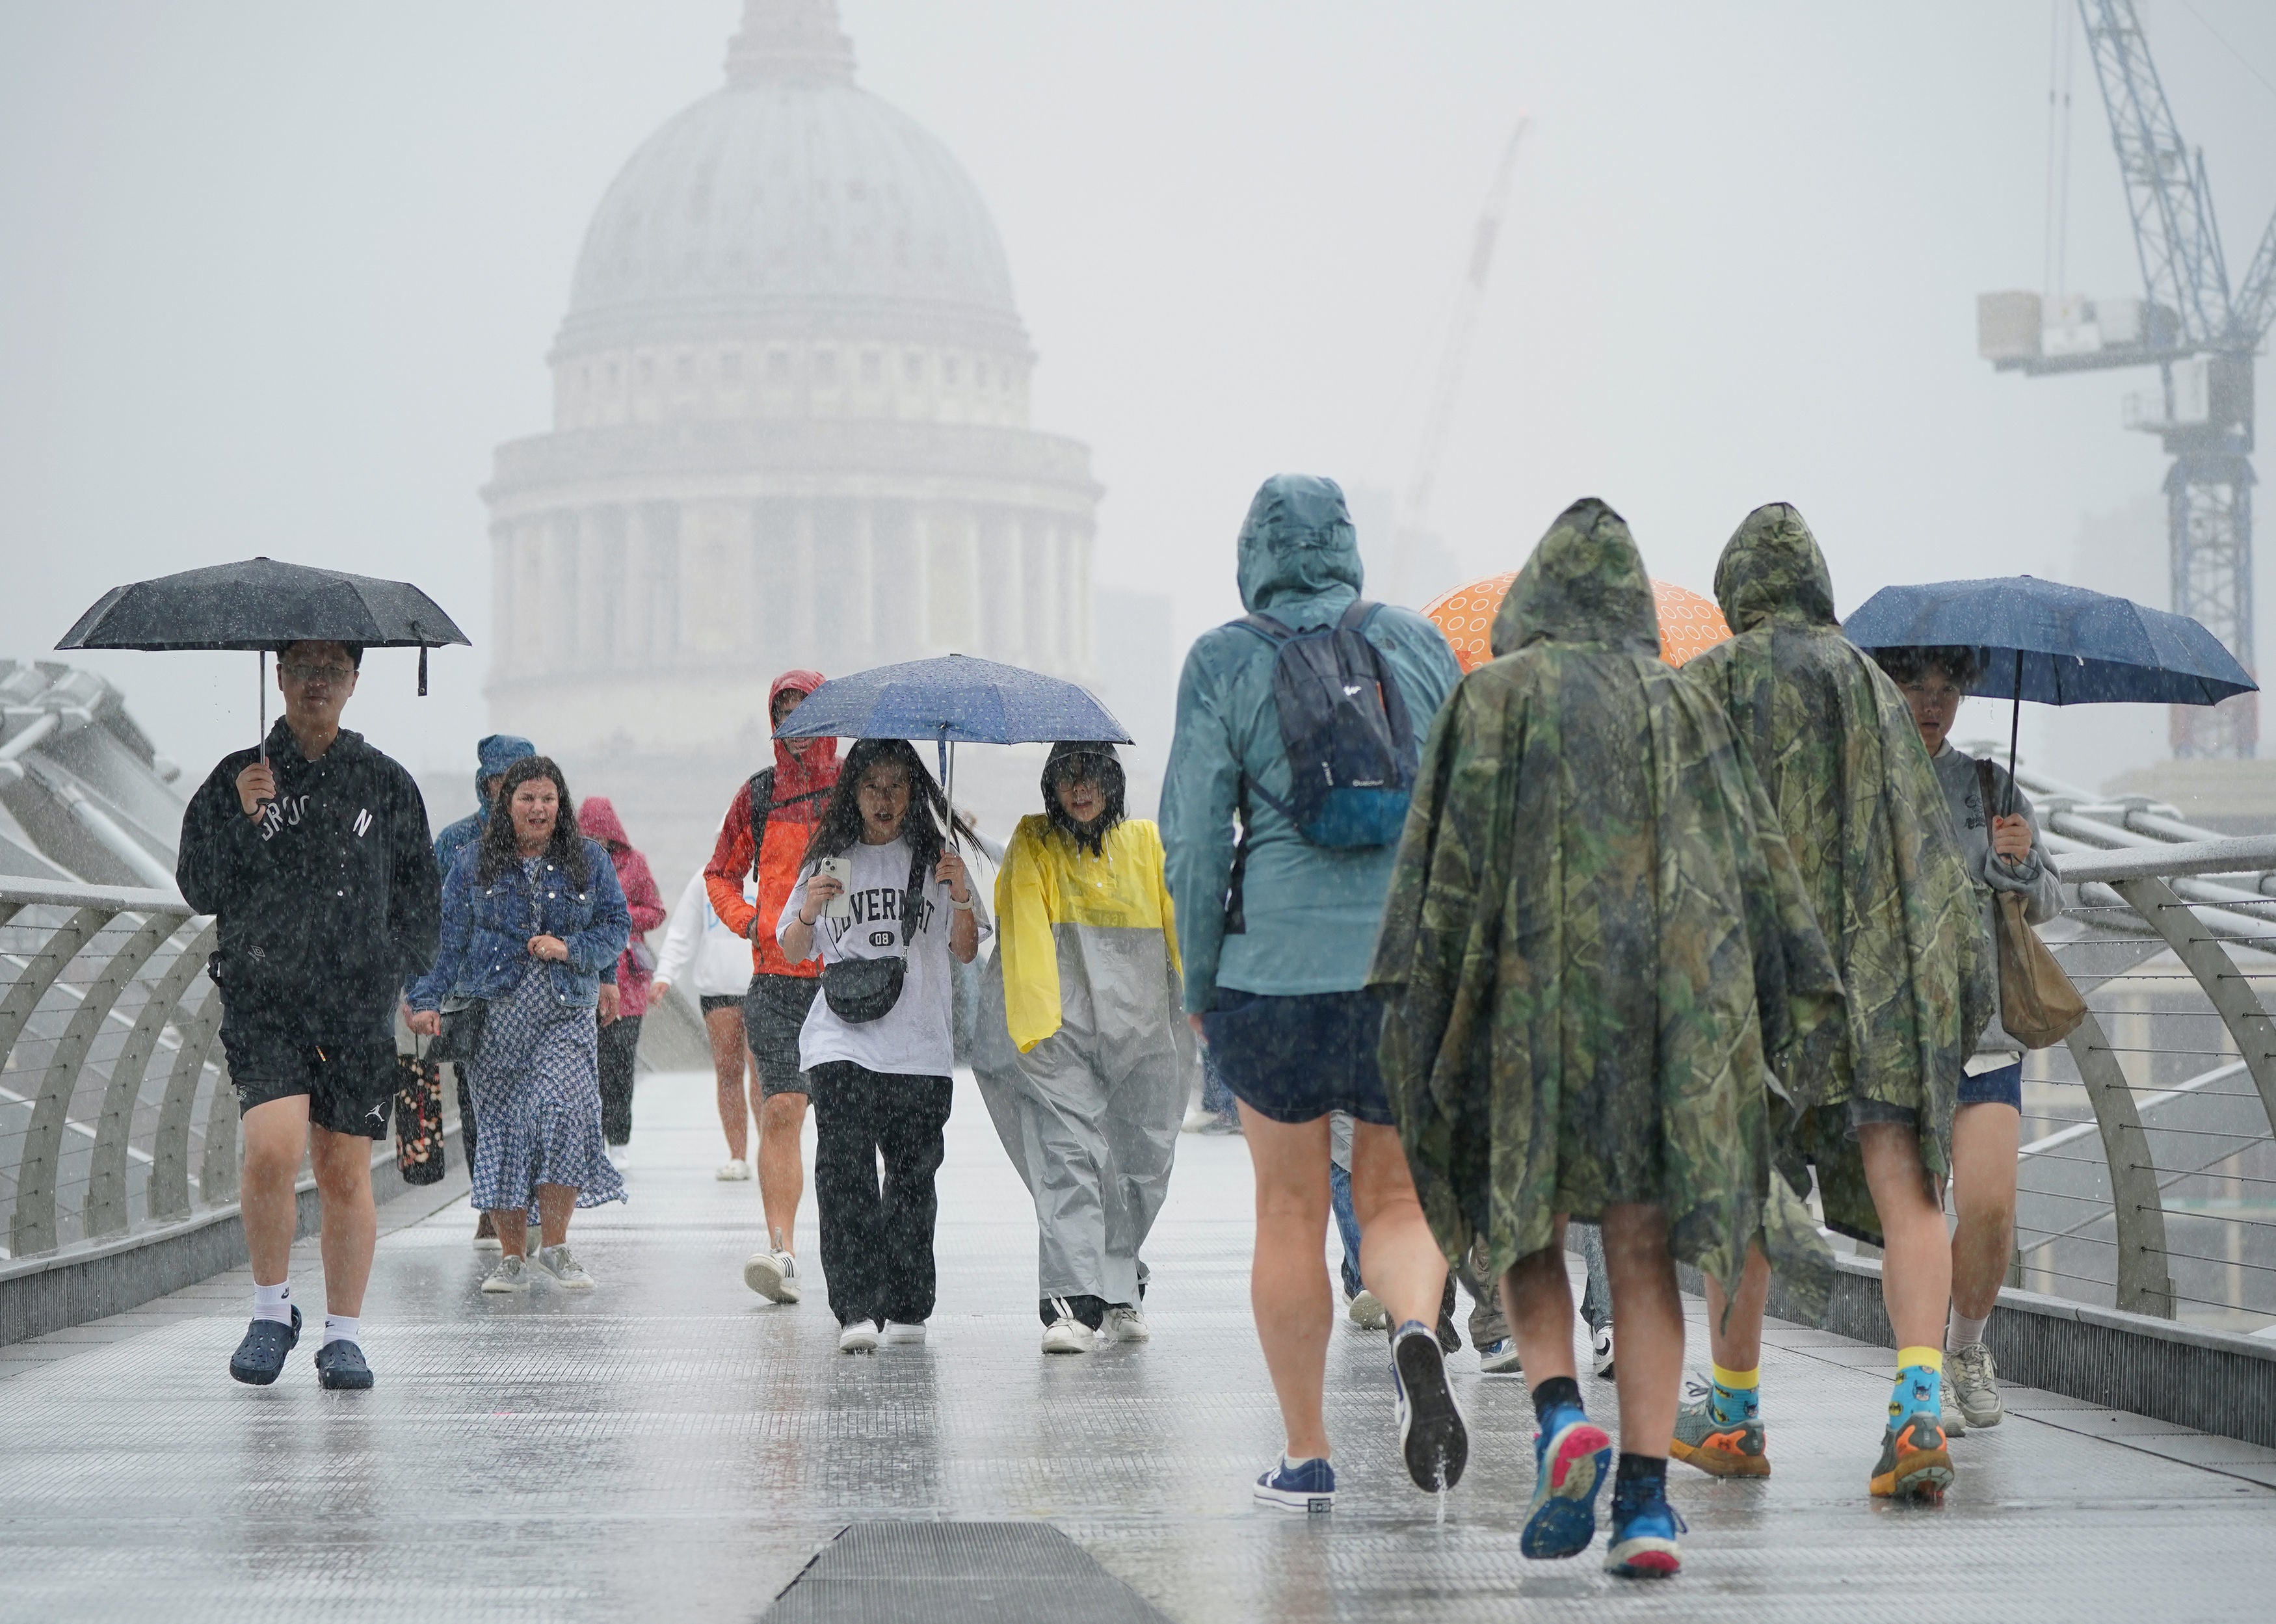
(764,834)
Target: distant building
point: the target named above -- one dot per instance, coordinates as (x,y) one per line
(790,427)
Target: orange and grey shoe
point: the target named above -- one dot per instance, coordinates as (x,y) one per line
(1724,1449)
(1915,1467)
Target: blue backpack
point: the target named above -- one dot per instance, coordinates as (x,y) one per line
(1352,752)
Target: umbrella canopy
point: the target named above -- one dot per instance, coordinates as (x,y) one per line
(2056,645)
(1688,623)
(954,699)
(263,604)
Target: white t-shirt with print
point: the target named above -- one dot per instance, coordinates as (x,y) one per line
(916,1037)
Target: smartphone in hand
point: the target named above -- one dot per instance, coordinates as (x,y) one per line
(841,870)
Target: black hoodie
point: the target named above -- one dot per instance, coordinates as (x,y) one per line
(328,902)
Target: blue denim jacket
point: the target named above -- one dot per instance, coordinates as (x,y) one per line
(486,931)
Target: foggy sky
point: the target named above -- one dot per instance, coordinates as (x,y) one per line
(275,278)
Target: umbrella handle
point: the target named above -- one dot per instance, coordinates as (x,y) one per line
(260,685)
(2014,729)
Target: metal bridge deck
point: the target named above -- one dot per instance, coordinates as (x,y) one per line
(673,1447)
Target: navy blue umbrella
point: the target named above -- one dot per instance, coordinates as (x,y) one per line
(957,699)
(2055,645)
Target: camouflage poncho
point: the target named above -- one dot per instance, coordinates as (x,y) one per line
(1836,748)
(1580,921)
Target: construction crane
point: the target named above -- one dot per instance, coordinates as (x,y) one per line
(2201,338)
(1413,528)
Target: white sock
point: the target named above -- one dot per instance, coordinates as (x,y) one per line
(273,1301)
(1963,1331)
(343,1329)
(1289,1463)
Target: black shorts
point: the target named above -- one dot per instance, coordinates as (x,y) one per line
(774,1013)
(720,1000)
(1295,1057)
(350,1084)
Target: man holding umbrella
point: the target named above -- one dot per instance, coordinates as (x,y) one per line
(312,852)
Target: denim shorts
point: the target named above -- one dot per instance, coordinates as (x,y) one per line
(1296,1057)
(2003,1087)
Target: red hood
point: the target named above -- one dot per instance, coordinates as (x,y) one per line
(599,821)
(819,769)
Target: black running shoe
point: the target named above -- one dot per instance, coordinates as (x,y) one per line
(1431,1431)
(261,1356)
(340,1366)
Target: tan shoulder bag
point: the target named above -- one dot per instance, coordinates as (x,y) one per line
(2038,1004)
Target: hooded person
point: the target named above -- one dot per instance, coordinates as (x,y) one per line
(597,819)
(492,756)
(761,840)
(1594,952)
(1840,759)
(1082,1053)
(1274,929)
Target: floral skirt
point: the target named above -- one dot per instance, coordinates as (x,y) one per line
(537,1089)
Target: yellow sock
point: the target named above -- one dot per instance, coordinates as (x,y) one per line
(1738,1378)
(1927,1358)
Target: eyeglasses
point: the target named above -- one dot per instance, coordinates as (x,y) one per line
(300,673)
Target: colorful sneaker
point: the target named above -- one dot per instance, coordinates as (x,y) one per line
(1915,1467)
(1642,1545)
(1499,1358)
(340,1367)
(1720,1449)
(1572,1457)
(1431,1435)
(1309,1485)
(1972,1382)
(261,1356)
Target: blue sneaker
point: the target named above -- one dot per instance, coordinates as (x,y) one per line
(1643,1540)
(260,1357)
(1499,1358)
(1309,1485)
(1431,1431)
(1571,1457)
(340,1366)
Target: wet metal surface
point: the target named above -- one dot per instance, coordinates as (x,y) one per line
(672,1444)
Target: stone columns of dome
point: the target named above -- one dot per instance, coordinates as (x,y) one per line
(600,585)
(558,593)
(1075,652)
(1045,611)
(504,654)
(714,578)
(652,561)
(951,579)
(1001,592)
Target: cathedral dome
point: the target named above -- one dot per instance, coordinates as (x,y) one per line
(792,203)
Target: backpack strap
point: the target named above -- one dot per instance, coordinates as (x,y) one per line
(1355,617)
(912,900)
(761,789)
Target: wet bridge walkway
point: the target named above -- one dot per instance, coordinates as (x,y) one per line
(672,1447)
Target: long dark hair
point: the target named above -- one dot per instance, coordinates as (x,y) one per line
(1099,764)
(839,829)
(500,852)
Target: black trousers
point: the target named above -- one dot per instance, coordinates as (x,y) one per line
(619,1047)
(877,1241)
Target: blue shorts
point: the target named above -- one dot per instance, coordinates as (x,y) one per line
(1296,1057)
(2003,1087)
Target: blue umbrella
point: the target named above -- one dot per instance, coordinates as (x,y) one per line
(954,699)
(2055,645)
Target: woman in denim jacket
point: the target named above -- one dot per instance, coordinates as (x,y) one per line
(532,916)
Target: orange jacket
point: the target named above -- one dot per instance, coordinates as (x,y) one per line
(778,871)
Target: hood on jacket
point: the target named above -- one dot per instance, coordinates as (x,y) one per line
(1772,569)
(599,821)
(795,778)
(1070,760)
(1297,542)
(492,756)
(1585,583)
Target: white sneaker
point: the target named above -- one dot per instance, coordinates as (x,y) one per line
(1126,1324)
(567,1273)
(512,1274)
(1971,1386)
(774,1276)
(1367,1313)
(1066,1335)
(860,1337)
(1600,1351)
(1197,1120)
(618,1154)
(901,1334)
(731,1172)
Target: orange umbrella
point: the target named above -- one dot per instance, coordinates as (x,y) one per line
(1687,622)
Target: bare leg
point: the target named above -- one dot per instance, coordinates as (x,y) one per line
(276,1137)
(1537,1299)
(1399,1257)
(782,1174)
(513,1231)
(351,1223)
(1916,1260)
(1288,1276)
(1649,1310)
(724,1028)
(1736,1342)
(1984,1139)
(555,1203)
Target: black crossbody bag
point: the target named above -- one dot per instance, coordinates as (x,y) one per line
(859,991)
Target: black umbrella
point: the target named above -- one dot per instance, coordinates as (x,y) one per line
(262,605)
